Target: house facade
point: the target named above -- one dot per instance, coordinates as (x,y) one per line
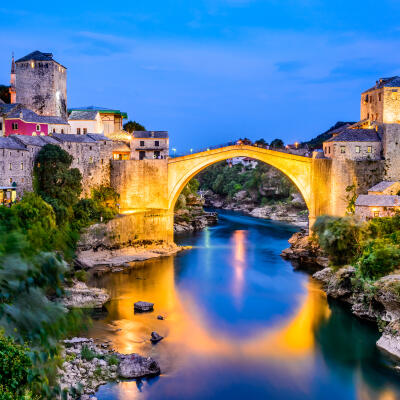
(149,145)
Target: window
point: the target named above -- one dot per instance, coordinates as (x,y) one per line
(22,166)
(90,159)
(142,155)
(15,125)
(156,155)
(38,128)
(380,96)
(342,149)
(376,214)
(369,149)
(329,149)
(78,131)
(54,130)
(156,143)
(10,180)
(357,149)
(102,162)
(34,134)
(10,167)
(84,131)
(367,115)
(62,130)
(1,126)
(142,143)
(377,115)
(90,147)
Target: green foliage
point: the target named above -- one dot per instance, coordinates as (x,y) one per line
(226,181)
(56,182)
(378,258)
(351,199)
(88,354)
(277,144)
(112,360)
(261,143)
(81,275)
(190,190)
(339,237)
(131,126)
(14,368)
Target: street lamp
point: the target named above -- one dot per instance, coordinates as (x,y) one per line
(174,150)
(191,151)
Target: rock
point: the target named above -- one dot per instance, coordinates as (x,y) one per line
(390,340)
(324,275)
(82,296)
(155,337)
(136,366)
(143,306)
(77,341)
(160,317)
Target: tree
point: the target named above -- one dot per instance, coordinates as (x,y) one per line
(261,143)
(131,126)
(4,93)
(277,144)
(55,181)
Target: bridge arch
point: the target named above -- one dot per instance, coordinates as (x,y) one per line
(300,170)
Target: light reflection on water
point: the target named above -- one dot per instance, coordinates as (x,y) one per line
(239,323)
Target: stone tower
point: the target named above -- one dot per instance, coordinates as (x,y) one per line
(12,82)
(41,84)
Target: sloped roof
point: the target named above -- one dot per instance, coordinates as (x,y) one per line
(101,110)
(377,200)
(36,56)
(88,115)
(393,81)
(1,101)
(65,137)
(356,135)
(381,186)
(150,134)
(31,116)
(10,143)
(98,137)
(6,108)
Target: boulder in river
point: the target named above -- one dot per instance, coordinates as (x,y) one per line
(82,296)
(160,317)
(143,306)
(136,366)
(155,337)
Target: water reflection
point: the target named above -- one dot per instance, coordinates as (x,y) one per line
(233,312)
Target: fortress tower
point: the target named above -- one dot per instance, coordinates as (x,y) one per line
(12,82)
(41,84)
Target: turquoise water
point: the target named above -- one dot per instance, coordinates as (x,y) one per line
(240,323)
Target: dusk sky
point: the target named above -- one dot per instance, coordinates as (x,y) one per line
(213,71)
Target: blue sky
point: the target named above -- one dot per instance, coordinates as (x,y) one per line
(211,71)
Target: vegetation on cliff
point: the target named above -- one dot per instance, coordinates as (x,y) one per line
(373,247)
(131,126)
(264,183)
(36,235)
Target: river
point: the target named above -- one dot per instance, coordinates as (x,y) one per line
(240,323)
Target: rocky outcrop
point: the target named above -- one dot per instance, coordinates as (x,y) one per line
(305,251)
(88,365)
(189,221)
(378,301)
(82,296)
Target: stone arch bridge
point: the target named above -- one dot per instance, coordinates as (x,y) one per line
(150,188)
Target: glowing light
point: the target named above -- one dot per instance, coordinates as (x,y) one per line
(32,64)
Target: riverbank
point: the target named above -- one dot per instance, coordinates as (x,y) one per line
(293,211)
(195,219)
(377,301)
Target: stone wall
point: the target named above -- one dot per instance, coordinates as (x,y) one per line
(124,230)
(391,150)
(344,173)
(353,150)
(141,184)
(42,87)
(16,166)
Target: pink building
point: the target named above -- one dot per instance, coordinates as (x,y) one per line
(22,121)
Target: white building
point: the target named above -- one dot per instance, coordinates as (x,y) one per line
(84,122)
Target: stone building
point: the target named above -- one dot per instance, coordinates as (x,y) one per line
(354,144)
(91,155)
(12,89)
(374,206)
(385,188)
(111,119)
(41,84)
(381,103)
(149,145)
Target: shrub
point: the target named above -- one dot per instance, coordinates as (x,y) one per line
(379,257)
(88,354)
(14,368)
(113,360)
(339,237)
(81,275)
